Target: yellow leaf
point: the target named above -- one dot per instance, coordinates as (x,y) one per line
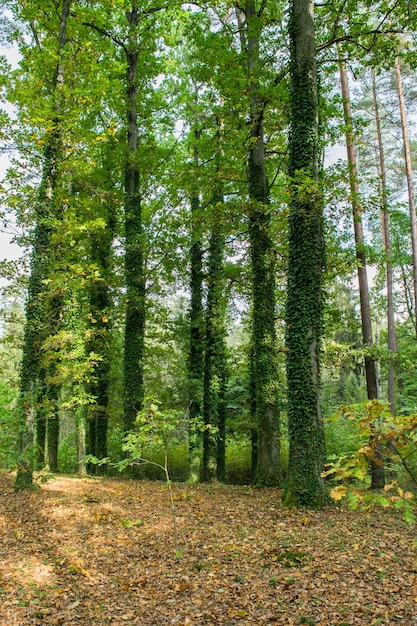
(338,492)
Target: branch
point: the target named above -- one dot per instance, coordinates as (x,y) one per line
(107,34)
(35,35)
(374,32)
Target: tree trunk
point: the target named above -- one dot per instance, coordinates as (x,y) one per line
(101,327)
(306,262)
(263,335)
(196,350)
(386,238)
(134,258)
(215,377)
(377,468)
(410,182)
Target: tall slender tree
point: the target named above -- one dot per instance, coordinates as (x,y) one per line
(263,333)
(386,239)
(196,350)
(377,468)
(134,257)
(214,377)
(410,181)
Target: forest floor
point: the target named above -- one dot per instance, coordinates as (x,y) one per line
(100,552)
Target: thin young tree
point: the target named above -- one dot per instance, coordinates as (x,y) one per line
(386,239)
(377,468)
(410,181)
(264,369)
(215,377)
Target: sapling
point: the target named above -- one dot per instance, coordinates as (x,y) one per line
(154,428)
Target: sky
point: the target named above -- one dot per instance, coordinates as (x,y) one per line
(8,249)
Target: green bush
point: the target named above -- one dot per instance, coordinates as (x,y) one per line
(67,455)
(238,461)
(177,463)
(8,426)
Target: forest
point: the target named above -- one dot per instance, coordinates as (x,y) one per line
(218,280)
(208,343)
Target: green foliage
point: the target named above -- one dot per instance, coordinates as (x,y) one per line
(376,429)
(67,455)
(9,427)
(238,460)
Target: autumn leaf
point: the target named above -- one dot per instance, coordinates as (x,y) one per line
(338,492)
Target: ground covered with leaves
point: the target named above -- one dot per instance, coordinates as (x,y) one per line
(101,552)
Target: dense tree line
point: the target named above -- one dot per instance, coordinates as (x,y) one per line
(188,240)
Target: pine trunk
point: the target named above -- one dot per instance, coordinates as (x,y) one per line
(377,468)
(410,182)
(386,238)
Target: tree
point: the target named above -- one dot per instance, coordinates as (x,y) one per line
(377,468)
(40,267)
(196,349)
(264,371)
(304,314)
(386,238)
(410,183)
(215,376)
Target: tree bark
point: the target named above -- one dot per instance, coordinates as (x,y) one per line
(410,182)
(196,350)
(304,315)
(101,322)
(134,258)
(264,369)
(377,468)
(36,328)
(386,238)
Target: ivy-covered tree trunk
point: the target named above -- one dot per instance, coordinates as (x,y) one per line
(215,367)
(377,468)
(263,336)
(54,392)
(214,410)
(134,258)
(101,307)
(196,350)
(304,315)
(36,310)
